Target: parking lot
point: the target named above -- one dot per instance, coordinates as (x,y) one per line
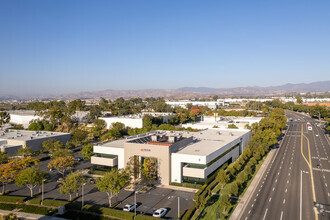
(147,202)
(160,198)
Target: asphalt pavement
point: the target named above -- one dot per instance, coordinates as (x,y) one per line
(295,185)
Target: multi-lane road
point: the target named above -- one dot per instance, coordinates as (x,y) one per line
(296,184)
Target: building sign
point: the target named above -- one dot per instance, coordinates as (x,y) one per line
(145,149)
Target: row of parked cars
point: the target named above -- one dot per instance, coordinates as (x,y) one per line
(158,213)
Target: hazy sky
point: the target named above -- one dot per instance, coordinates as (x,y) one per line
(63,46)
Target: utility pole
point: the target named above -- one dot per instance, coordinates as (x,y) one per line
(82,195)
(42,190)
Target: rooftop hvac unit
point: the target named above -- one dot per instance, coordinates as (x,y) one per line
(171,139)
(154,138)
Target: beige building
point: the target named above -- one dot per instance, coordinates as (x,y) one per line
(177,156)
(11,140)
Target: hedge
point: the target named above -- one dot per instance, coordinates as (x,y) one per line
(80,216)
(189,212)
(188,185)
(73,206)
(142,217)
(6,206)
(37,209)
(54,202)
(36,201)
(12,199)
(108,211)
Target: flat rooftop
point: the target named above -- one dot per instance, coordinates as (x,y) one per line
(24,135)
(205,141)
(210,140)
(22,112)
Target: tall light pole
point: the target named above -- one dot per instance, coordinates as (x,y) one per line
(135,204)
(42,190)
(178,207)
(82,195)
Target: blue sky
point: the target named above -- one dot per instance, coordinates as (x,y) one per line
(64,46)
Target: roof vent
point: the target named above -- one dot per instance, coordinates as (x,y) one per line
(171,139)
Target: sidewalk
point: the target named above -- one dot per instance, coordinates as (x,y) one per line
(249,192)
(178,188)
(30,216)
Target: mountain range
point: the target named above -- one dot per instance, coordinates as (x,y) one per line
(189,92)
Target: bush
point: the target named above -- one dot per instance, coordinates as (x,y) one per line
(5,206)
(189,212)
(36,201)
(37,209)
(108,211)
(142,217)
(188,185)
(54,203)
(12,199)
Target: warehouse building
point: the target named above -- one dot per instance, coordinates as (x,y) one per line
(12,140)
(178,156)
(135,120)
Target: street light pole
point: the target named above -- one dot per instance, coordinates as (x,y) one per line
(178,207)
(82,195)
(42,190)
(134,204)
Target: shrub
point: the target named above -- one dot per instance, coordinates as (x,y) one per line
(54,203)
(6,206)
(12,199)
(36,201)
(188,185)
(142,217)
(189,212)
(37,209)
(108,211)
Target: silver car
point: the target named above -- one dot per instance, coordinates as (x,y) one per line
(129,207)
(160,213)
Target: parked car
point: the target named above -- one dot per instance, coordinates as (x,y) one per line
(129,207)
(92,181)
(160,213)
(78,159)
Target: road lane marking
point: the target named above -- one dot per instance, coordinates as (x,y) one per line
(286,190)
(273,188)
(284,201)
(265,214)
(270,199)
(281,215)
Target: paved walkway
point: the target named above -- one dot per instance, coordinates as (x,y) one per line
(252,187)
(30,216)
(178,188)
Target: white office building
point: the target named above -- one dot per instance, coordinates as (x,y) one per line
(179,156)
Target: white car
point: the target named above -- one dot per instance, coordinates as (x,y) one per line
(316,135)
(159,213)
(129,207)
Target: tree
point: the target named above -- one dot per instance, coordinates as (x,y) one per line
(99,125)
(133,167)
(51,145)
(299,100)
(62,153)
(62,164)
(3,157)
(232,126)
(79,136)
(71,183)
(30,177)
(10,170)
(234,189)
(4,118)
(112,182)
(149,171)
(222,177)
(147,122)
(224,201)
(25,151)
(87,151)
